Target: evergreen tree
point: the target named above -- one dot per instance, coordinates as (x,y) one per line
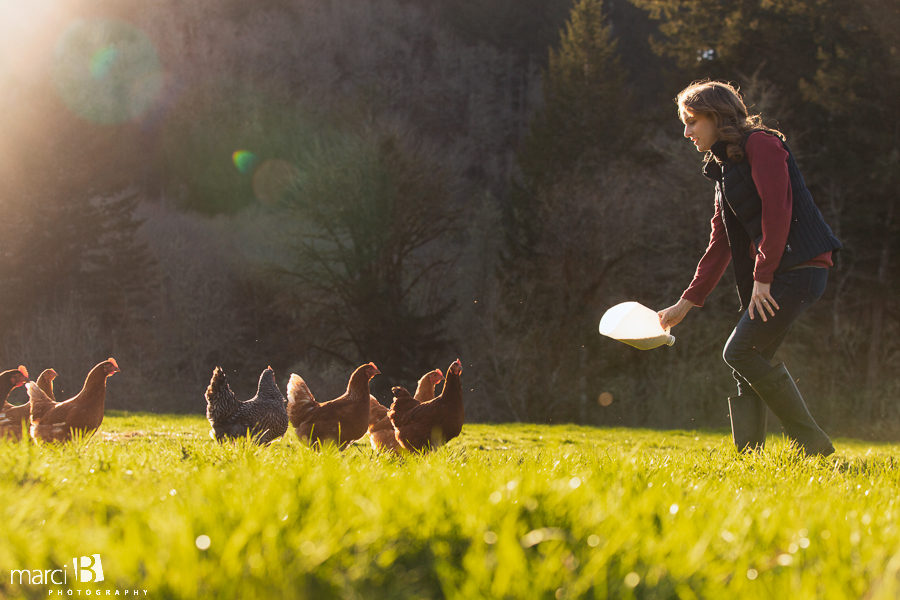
(584,120)
(84,251)
(526,27)
(583,123)
(554,263)
(75,283)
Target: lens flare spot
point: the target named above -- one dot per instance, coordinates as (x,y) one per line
(107,71)
(102,62)
(244,160)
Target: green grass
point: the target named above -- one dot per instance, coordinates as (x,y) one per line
(504,511)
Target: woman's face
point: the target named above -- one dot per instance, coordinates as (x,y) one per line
(700,128)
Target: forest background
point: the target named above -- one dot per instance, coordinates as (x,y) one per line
(314,184)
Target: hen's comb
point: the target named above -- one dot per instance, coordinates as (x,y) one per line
(23,371)
(112,361)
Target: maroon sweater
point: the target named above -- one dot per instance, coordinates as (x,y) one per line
(768,160)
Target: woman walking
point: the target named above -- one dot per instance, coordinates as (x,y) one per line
(768,226)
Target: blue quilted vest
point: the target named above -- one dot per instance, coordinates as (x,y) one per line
(741,208)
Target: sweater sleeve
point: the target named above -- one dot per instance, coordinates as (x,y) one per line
(712,264)
(768,164)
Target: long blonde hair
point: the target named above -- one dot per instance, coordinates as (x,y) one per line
(723,102)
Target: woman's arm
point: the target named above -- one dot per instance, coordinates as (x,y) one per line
(768,165)
(709,271)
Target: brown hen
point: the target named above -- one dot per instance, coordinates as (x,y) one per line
(342,420)
(382,435)
(426,425)
(81,414)
(19,415)
(11,415)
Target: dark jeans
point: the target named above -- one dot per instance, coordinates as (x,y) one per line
(753,342)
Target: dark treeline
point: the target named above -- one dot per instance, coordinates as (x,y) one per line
(314,184)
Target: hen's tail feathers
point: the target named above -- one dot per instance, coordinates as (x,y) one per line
(220,400)
(300,398)
(377,411)
(40,403)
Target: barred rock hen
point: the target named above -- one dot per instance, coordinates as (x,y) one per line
(263,417)
(381,431)
(421,426)
(12,417)
(83,413)
(342,420)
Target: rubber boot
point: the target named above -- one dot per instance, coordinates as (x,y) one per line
(779,390)
(748,422)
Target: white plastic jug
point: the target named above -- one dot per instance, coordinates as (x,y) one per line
(636,325)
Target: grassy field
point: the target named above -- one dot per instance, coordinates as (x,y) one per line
(504,511)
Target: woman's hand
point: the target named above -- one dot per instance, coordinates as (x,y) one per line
(672,316)
(761,301)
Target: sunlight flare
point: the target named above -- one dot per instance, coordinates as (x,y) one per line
(107,71)
(244,160)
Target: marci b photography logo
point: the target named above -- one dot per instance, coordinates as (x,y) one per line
(85,569)
(88,569)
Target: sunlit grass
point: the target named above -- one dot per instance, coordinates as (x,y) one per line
(504,511)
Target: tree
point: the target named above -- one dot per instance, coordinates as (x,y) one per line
(582,124)
(371,215)
(584,119)
(555,263)
(855,85)
(526,27)
(85,249)
(75,281)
